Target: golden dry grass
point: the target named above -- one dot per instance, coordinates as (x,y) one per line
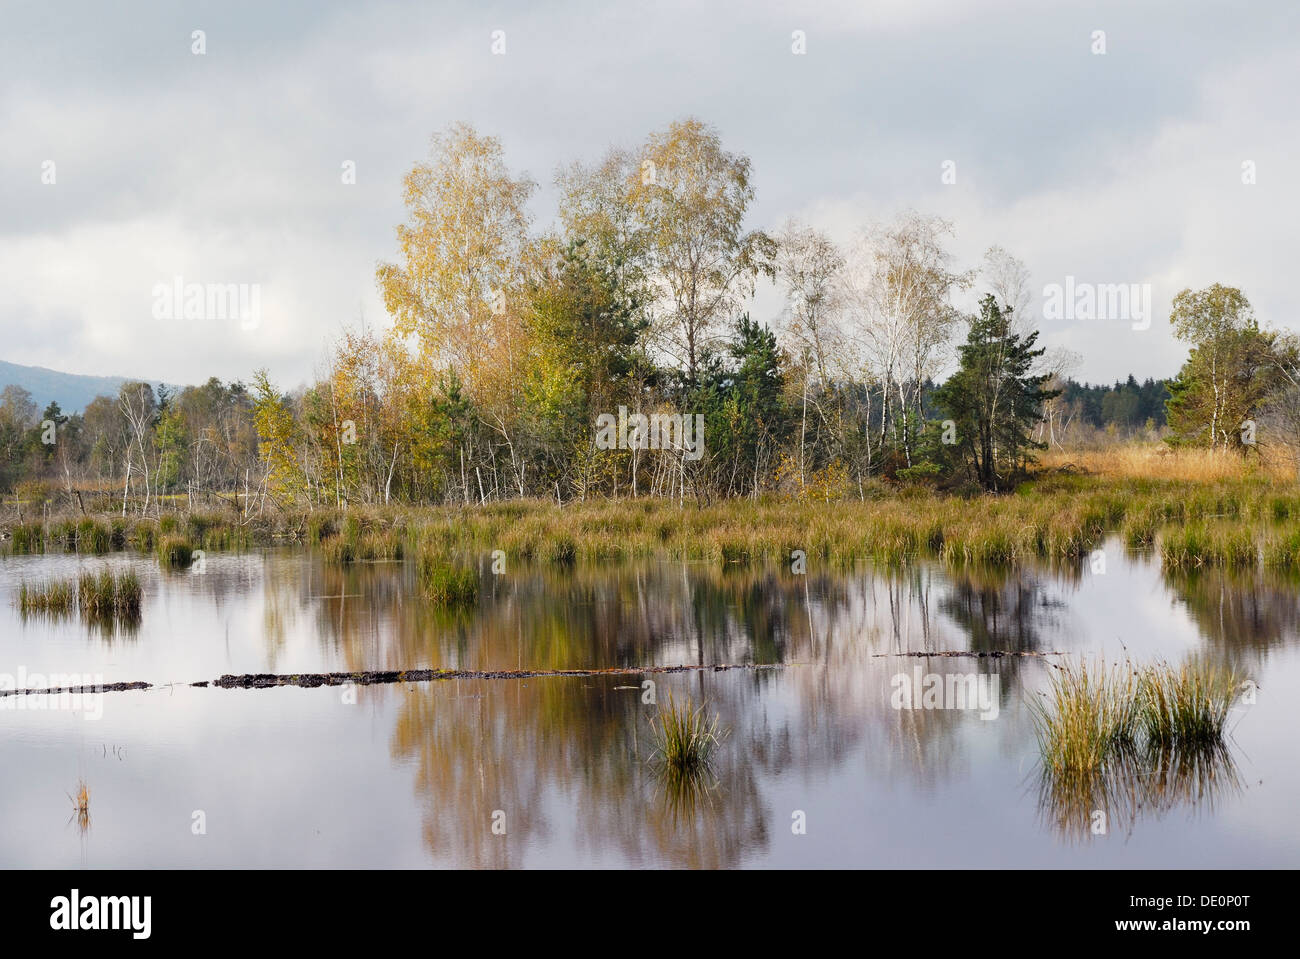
(1157,461)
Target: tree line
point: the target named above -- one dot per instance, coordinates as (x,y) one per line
(509,342)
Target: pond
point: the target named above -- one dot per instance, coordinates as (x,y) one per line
(819,766)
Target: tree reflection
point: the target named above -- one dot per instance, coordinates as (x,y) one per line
(567,759)
(1137,783)
(1241,613)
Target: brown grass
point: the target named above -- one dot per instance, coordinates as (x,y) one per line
(1158,461)
(81,805)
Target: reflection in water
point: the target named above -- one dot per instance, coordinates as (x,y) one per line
(105,627)
(483,747)
(1080,805)
(567,762)
(686,740)
(1000,611)
(1241,613)
(688,792)
(81,808)
(666,613)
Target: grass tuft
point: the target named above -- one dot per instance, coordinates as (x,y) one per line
(445,583)
(175,552)
(104,596)
(684,737)
(55,597)
(108,595)
(1187,706)
(1094,716)
(1088,714)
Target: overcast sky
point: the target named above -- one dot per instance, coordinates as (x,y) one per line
(226,167)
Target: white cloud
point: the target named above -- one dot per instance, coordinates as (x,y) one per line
(225,168)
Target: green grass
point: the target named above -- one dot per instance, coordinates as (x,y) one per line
(1201,544)
(352,546)
(1282,548)
(143,536)
(320,526)
(1088,714)
(63,534)
(1094,715)
(175,552)
(339,551)
(94,537)
(685,736)
(1139,529)
(445,583)
(1186,706)
(54,596)
(1192,523)
(28,538)
(106,594)
(102,595)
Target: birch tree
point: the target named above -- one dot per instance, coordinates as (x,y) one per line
(691,197)
(898,289)
(809,268)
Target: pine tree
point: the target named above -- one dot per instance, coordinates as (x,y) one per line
(993,399)
(741,396)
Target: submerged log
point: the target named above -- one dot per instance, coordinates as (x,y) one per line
(370,677)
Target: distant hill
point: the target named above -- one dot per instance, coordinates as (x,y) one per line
(72,390)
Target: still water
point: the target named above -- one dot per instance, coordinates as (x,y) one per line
(818,768)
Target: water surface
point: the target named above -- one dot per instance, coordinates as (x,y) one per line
(418,775)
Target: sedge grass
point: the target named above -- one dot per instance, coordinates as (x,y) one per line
(1093,715)
(175,552)
(109,595)
(1200,544)
(1089,714)
(446,583)
(353,546)
(55,597)
(685,736)
(1186,706)
(99,596)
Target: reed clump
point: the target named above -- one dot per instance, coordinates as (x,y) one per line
(143,536)
(105,594)
(446,583)
(109,595)
(686,736)
(358,547)
(1187,706)
(94,537)
(55,597)
(28,538)
(1282,548)
(1093,716)
(1140,528)
(175,552)
(1200,544)
(63,535)
(1089,714)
